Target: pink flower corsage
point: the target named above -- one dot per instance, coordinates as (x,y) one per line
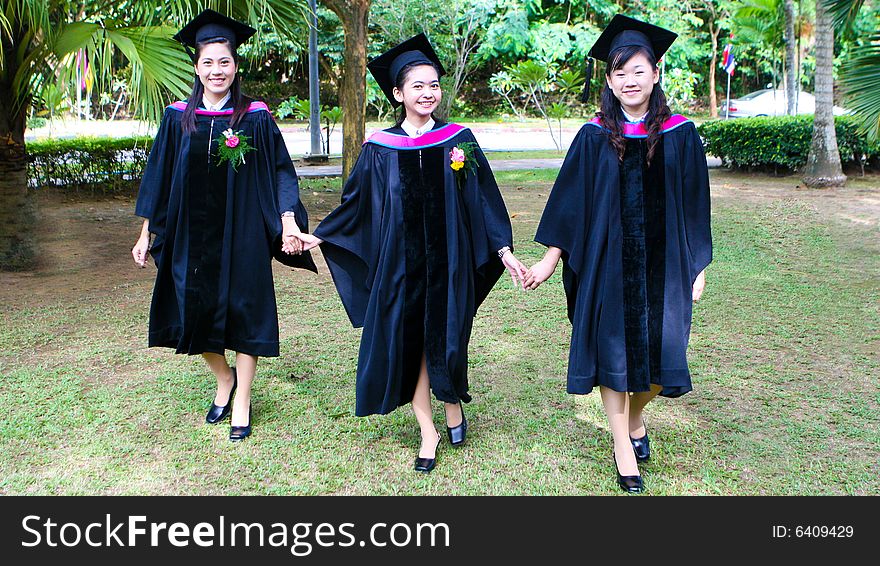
(462,156)
(232,147)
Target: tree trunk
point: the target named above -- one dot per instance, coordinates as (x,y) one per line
(16,213)
(823,163)
(714,31)
(354,15)
(790,69)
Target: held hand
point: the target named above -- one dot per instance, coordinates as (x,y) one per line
(291,244)
(140,250)
(539,273)
(516,269)
(699,285)
(309,241)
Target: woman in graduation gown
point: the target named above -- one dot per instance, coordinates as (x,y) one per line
(419,240)
(218,222)
(629,217)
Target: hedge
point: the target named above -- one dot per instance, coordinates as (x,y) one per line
(103,164)
(783,141)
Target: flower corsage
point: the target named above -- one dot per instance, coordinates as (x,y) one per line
(232,146)
(462,160)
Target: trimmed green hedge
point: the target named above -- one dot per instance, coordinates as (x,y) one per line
(782,141)
(102,164)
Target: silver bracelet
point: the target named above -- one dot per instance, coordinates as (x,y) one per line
(503,251)
(288,214)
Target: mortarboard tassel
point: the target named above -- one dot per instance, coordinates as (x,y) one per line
(585,97)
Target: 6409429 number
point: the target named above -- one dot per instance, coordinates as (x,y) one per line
(812,531)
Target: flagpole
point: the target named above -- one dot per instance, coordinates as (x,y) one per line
(727,106)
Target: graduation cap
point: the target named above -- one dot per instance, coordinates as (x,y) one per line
(386,67)
(624,31)
(213,25)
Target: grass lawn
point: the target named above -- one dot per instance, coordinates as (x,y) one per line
(784,352)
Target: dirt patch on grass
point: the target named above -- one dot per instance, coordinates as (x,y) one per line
(858,202)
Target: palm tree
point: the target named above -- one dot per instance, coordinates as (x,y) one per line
(823,163)
(39,44)
(791,73)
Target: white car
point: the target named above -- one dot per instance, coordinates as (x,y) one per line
(769,102)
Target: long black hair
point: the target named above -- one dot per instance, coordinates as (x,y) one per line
(611,115)
(240,102)
(400,80)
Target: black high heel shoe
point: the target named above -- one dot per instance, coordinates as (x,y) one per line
(629,484)
(458,433)
(239,433)
(425,465)
(216,413)
(641,446)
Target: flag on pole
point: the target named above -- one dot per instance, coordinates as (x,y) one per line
(727,60)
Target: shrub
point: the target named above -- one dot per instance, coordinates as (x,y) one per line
(36,122)
(97,164)
(782,141)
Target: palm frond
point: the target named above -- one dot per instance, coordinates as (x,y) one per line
(843,12)
(158,66)
(29,16)
(289,18)
(75,36)
(860,83)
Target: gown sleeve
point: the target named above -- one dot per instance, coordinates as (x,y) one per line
(695,199)
(490,225)
(287,197)
(566,218)
(351,235)
(152,201)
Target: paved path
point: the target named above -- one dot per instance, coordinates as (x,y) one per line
(306,171)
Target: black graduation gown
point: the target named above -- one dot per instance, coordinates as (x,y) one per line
(413,256)
(216,231)
(633,239)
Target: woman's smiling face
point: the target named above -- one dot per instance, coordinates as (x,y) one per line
(421,92)
(216,69)
(633,83)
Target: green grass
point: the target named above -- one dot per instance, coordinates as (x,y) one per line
(784,353)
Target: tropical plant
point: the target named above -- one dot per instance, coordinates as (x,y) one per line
(331,117)
(503,84)
(860,82)
(534,78)
(557,111)
(860,73)
(570,83)
(293,106)
(762,23)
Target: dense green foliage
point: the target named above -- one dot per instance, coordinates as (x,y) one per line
(782,141)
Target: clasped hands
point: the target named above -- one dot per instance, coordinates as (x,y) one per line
(294,242)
